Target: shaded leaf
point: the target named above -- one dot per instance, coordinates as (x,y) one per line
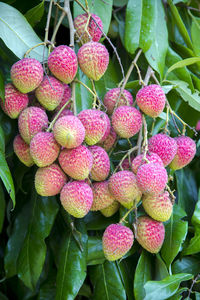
(34,15)
(96,221)
(2,140)
(160,268)
(183,63)
(95,251)
(48,289)
(2,90)
(195,32)
(186,265)
(84,98)
(127,269)
(2,207)
(3,297)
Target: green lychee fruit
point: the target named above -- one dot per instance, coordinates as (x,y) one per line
(101,163)
(22,150)
(111,209)
(111,97)
(101,196)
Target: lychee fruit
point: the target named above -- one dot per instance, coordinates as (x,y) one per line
(101,163)
(69,132)
(185,152)
(139,160)
(151,100)
(126,121)
(111,209)
(150,234)
(31,121)
(151,178)
(26,74)
(63,63)
(22,151)
(107,132)
(14,102)
(108,143)
(49,180)
(126,165)
(93,60)
(44,149)
(76,198)
(111,97)
(101,195)
(164,146)
(117,241)
(123,187)
(64,113)
(65,98)
(77,162)
(94,31)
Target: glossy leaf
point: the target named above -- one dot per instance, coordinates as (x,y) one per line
(48,289)
(2,90)
(160,268)
(195,32)
(2,140)
(95,251)
(186,265)
(127,268)
(96,221)
(2,207)
(34,15)
(196,214)
(183,63)
(84,98)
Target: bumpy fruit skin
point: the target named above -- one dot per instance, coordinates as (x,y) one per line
(139,160)
(69,132)
(151,178)
(151,100)
(123,187)
(126,121)
(44,149)
(159,207)
(77,162)
(49,180)
(63,63)
(164,146)
(22,151)
(14,102)
(185,152)
(50,92)
(111,209)
(31,121)
(95,123)
(117,241)
(27,74)
(101,196)
(94,32)
(126,165)
(65,98)
(101,163)
(107,132)
(93,59)
(76,198)
(150,234)
(111,98)
(109,141)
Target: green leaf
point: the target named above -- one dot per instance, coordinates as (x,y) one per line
(183,63)
(72,265)
(132,84)
(96,221)
(160,268)
(17,33)
(140,22)
(3,297)
(34,15)
(95,251)
(127,269)
(2,207)
(186,265)
(165,288)
(48,289)
(84,98)
(195,32)
(2,140)
(196,215)
(2,90)
(197,296)
(107,282)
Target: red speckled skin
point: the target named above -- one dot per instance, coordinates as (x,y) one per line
(150,234)
(109,141)
(151,100)
(101,163)
(14,102)
(44,149)
(123,187)
(185,152)
(151,178)
(22,151)
(49,180)
(111,209)
(69,132)
(95,123)
(66,96)
(31,121)
(117,241)
(50,92)
(107,132)
(94,32)
(111,97)
(101,196)
(164,146)
(64,113)
(77,163)
(126,165)
(63,63)
(93,59)
(159,207)
(76,198)
(27,74)
(126,121)
(138,161)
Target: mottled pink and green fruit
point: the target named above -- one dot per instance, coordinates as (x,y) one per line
(111,209)
(139,160)
(112,96)
(101,163)
(108,143)
(65,98)
(22,150)
(102,197)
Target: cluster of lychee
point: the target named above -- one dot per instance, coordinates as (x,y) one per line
(72,157)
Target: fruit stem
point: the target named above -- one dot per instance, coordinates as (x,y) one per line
(171,193)
(95,94)
(83,84)
(40,44)
(48,21)
(71,23)
(148,75)
(57,27)
(74,97)
(57,116)
(167,120)
(123,158)
(123,219)
(139,142)
(145,142)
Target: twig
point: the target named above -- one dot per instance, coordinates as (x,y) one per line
(193,283)
(57,27)
(126,215)
(125,156)
(139,142)
(148,75)
(171,193)
(71,23)
(57,116)
(48,21)
(145,142)
(40,44)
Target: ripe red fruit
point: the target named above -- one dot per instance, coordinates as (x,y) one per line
(139,160)
(111,97)
(101,163)
(102,197)
(22,150)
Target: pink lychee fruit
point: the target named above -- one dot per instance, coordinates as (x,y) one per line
(164,146)
(139,160)
(93,59)
(108,143)
(49,180)
(101,196)
(185,152)
(31,121)
(63,63)
(112,96)
(22,151)
(101,163)
(151,100)
(117,241)
(14,101)
(126,165)
(77,162)
(111,209)
(27,74)
(65,98)
(126,121)
(76,198)
(107,132)
(69,132)
(150,234)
